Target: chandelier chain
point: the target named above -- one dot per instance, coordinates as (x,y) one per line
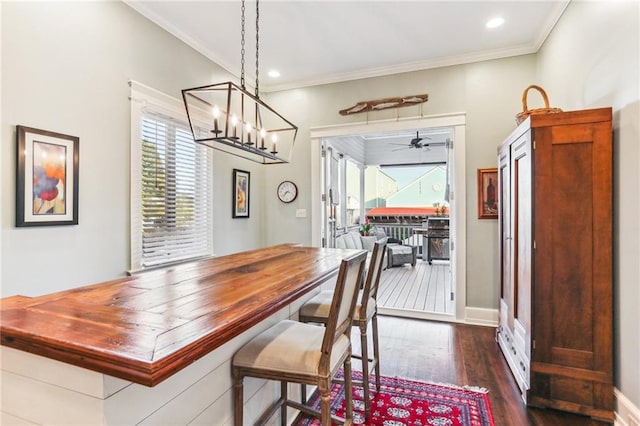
(242,48)
(257,47)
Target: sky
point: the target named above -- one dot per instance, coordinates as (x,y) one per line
(404,175)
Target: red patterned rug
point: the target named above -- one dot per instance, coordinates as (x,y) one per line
(408,402)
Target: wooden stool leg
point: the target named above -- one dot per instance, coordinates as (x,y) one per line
(348,386)
(365,368)
(325,402)
(376,349)
(283,409)
(303,393)
(238,400)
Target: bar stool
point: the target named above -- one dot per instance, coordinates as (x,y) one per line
(317,310)
(291,351)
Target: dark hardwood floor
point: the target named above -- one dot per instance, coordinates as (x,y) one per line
(462,355)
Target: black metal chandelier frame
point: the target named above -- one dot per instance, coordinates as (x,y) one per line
(227,117)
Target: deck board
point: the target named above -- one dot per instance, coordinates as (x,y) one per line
(421,288)
(421,300)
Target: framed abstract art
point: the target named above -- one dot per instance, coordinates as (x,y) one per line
(47,178)
(241,186)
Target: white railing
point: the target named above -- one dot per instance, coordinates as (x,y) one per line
(403,232)
(399,231)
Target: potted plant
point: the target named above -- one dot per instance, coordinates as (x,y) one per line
(441,209)
(365,229)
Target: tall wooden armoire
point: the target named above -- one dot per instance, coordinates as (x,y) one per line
(555,219)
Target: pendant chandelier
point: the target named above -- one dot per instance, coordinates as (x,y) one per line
(228,118)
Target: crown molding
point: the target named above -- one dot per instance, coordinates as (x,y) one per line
(403,68)
(200,47)
(550,24)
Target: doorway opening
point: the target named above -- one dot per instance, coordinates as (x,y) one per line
(398,176)
(412,206)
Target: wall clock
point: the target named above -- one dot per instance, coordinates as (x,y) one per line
(287,191)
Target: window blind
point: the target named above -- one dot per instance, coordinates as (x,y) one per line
(175,188)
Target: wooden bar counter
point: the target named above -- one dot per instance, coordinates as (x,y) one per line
(146,328)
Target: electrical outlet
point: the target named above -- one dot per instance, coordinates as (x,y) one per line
(301,213)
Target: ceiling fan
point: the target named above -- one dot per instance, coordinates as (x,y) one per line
(417,143)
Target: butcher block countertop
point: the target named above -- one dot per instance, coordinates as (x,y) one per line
(147,327)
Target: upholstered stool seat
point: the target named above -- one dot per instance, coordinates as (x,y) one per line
(290,347)
(294,352)
(317,310)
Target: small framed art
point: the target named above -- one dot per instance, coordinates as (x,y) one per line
(241,193)
(488,193)
(47,178)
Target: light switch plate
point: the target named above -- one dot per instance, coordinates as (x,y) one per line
(301,213)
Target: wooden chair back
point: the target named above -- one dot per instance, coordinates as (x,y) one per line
(343,306)
(373,276)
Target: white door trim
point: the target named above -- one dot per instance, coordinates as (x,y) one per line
(457,121)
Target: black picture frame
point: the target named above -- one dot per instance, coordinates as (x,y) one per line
(241,193)
(46,178)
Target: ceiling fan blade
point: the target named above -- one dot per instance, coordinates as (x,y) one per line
(400,149)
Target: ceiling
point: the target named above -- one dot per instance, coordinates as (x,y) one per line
(318,42)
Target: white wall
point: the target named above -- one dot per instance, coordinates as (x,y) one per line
(592,59)
(489,92)
(65,68)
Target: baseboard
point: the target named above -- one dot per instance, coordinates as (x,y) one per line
(481,316)
(472,316)
(407,313)
(627,414)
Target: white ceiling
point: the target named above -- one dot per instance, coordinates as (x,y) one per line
(317,42)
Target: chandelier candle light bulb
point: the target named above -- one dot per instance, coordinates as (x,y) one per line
(263,133)
(216,114)
(248,133)
(234,123)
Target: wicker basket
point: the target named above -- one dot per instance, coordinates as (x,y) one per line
(526,112)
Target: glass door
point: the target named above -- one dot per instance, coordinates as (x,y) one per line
(331,195)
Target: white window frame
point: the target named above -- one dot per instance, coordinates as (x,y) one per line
(144,98)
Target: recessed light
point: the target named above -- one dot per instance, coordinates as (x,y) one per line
(495,22)
(274,73)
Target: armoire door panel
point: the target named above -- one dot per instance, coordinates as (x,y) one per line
(504,223)
(521,207)
(572,245)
